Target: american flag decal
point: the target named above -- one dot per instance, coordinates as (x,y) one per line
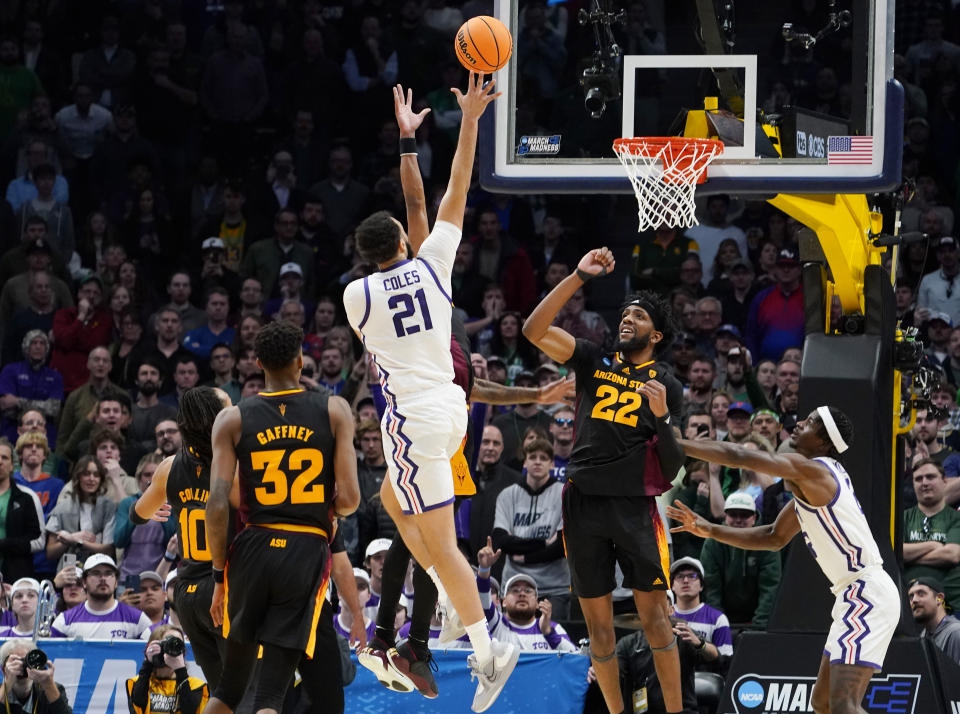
(847,150)
(283,409)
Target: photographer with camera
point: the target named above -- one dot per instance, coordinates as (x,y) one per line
(163,684)
(27,688)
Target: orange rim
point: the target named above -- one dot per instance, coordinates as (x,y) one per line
(677,154)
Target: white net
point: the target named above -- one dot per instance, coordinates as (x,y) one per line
(664,174)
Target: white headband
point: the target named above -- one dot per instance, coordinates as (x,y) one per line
(827,418)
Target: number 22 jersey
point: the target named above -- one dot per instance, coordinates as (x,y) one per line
(403,314)
(613,421)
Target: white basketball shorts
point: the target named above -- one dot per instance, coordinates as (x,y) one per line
(421,433)
(865,615)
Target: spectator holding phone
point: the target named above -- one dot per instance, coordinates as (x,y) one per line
(163,685)
(26,689)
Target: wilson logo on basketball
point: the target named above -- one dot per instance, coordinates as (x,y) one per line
(462,44)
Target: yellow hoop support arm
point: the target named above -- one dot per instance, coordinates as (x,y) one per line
(842,222)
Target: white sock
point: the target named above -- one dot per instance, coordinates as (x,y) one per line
(435,577)
(480,639)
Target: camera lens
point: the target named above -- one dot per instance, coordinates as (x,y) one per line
(172,646)
(595,102)
(36,659)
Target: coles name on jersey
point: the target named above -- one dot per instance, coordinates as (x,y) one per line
(403,314)
(837,534)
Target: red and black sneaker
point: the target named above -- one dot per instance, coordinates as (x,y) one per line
(378,657)
(416,665)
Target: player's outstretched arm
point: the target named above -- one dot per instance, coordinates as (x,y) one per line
(766,537)
(489,392)
(792,467)
(538,328)
(409,121)
(155,495)
(347,497)
(472,104)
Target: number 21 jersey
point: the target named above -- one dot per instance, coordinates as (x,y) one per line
(286,455)
(403,315)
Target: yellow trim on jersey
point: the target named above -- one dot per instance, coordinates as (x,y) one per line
(638,366)
(663,547)
(317,606)
(225,628)
(292,527)
(280,394)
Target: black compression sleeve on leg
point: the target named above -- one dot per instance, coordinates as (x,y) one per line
(424,605)
(391,586)
(276,674)
(238,662)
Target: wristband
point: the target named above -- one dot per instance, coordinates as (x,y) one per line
(483,572)
(169,557)
(217,575)
(135,517)
(585,277)
(408,145)
(703,643)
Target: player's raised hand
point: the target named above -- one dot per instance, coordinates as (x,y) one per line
(477,98)
(598,261)
(407,119)
(689,521)
(562,390)
(487,556)
(656,396)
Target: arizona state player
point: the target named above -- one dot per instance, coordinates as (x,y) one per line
(624,455)
(297,469)
(183,481)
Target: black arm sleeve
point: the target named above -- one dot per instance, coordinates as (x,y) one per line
(135,517)
(140,692)
(552,552)
(190,699)
(669,453)
(514,545)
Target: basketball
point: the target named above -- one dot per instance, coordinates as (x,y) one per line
(483,44)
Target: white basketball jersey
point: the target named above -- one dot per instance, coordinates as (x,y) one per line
(403,315)
(838,534)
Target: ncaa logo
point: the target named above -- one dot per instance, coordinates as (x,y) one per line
(750,694)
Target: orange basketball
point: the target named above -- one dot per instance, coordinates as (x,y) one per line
(483,44)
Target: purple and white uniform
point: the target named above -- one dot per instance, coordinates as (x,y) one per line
(7,632)
(345,631)
(867,606)
(711,625)
(121,622)
(404,314)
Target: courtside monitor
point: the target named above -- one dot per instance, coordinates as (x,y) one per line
(801,94)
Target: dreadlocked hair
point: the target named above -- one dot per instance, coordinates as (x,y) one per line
(278,344)
(198,410)
(844,426)
(660,312)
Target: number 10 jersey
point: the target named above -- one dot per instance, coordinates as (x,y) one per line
(286,459)
(403,314)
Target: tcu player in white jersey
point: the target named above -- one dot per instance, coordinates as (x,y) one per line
(825,509)
(403,315)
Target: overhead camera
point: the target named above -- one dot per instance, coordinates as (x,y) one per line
(599,86)
(601,80)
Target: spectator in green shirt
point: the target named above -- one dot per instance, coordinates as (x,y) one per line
(18,85)
(657,258)
(931,532)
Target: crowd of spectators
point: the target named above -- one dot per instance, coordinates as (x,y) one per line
(177,174)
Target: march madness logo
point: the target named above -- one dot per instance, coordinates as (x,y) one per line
(755,694)
(539,145)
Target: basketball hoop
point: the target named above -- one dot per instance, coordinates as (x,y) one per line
(664,173)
